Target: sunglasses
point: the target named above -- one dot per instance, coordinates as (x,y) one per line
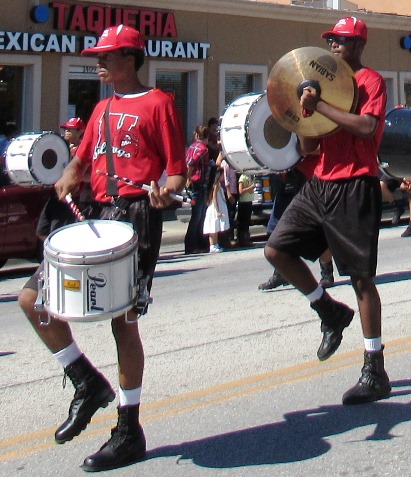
(341,40)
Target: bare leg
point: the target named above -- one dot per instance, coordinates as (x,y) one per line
(130,352)
(293,268)
(56,335)
(386,193)
(213,239)
(369,305)
(326,257)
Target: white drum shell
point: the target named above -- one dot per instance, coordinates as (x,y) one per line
(252,141)
(36,158)
(90,278)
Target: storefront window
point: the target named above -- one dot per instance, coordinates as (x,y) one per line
(11,93)
(175,83)
(407,91)
(83,96)
(236,85)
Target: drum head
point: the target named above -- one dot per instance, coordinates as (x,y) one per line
(274,146)
(37,158)
(253,141)
(88,241)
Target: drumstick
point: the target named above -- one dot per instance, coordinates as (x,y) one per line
(76,211)
(178,197)
(80,217)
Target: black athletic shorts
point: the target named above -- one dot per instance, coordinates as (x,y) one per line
(341,215)
(146,220)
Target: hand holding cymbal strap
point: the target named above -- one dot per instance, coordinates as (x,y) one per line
(316,68)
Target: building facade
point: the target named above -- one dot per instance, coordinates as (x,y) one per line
(206,53)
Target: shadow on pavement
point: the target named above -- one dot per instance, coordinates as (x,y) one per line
(300,436)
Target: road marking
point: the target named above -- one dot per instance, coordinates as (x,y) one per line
(43,439)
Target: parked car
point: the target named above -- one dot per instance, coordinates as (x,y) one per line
(20,209)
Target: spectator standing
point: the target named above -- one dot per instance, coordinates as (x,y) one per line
(245,207)
(198,171)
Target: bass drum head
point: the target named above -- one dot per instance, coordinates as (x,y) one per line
(274,146)
(233,136)
(253,142)
(37,158)
(395,149)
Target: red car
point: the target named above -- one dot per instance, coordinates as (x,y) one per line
(20,209)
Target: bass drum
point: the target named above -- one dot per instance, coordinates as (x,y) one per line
(251,139)
(35,159)
(395,149)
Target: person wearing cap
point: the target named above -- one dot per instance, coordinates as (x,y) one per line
(147,139)
(56,214)
(341,208)
(73,131)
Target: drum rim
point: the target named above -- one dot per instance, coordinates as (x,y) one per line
(247,129)
(35,182)
(52,254)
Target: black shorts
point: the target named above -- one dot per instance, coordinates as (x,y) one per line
(341,215)
(146,220)
(55,214)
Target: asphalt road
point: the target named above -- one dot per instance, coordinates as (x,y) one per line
(232,385)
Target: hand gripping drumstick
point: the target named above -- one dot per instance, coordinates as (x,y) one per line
(76,211)
(179,198)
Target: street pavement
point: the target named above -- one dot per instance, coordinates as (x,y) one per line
(232,386)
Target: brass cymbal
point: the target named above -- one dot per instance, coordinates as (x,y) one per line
(331,76)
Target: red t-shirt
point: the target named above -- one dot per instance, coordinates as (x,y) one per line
(344,155)
(198,157)
(307,165)
(147,139)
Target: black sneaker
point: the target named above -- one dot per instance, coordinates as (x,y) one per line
(275,281)
(327,275)
(407,232)
(399,210)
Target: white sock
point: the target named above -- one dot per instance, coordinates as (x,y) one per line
(316,294)
(129,397)
(372,344)
(68,355)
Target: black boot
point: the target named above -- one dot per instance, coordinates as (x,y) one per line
(335,316)
(399,210)
(275,281)
(373,383)
(126,446)
(92,391)
(327,276)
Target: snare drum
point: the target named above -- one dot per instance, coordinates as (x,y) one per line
(34,159)
(90,271)
(252,141)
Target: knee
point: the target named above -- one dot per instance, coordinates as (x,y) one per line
(271,254)
(123,330)
(27,298)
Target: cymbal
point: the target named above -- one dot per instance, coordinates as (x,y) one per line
(331,76)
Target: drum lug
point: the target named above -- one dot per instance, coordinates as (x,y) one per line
(143,299)
(39,303)
(45,319)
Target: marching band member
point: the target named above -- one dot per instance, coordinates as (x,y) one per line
(146,137)
(341,208)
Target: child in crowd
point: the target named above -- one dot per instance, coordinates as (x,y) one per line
(245,207)
(216,219)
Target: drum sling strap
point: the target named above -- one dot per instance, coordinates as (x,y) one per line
(112,186)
